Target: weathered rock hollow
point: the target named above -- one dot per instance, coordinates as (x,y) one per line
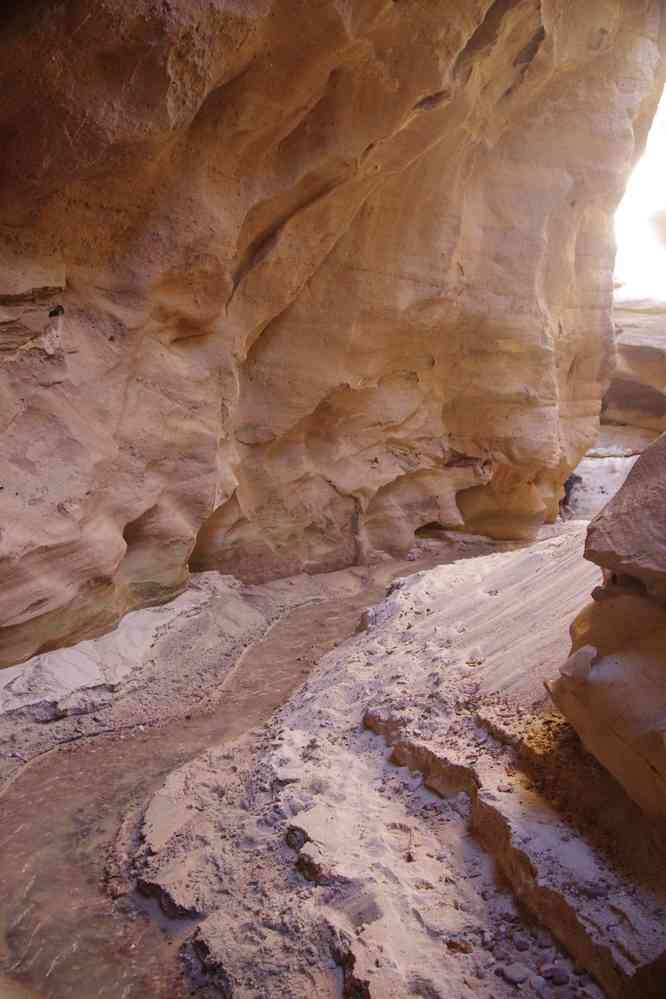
(329,273)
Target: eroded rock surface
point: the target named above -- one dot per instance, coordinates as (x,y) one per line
(613,687)
(360,829)
(637,393)
(282,282)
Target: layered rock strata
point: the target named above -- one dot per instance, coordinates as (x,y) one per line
(280,282)
(613,686)
(637,393)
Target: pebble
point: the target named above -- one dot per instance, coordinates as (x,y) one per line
(515,973)
(555,973)
(296,838)
(521,943)
(459,944)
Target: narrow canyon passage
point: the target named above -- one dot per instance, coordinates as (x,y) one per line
(62,813)
(332,478)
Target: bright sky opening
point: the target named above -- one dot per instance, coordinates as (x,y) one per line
(641,259)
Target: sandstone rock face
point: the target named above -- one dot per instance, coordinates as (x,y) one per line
(281,283)
(617,703)
(628,538)
(637,393)
(613,687)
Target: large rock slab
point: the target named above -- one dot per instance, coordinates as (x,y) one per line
(613,686)
(621,441)
(617,704)
(628,537)
(271,300)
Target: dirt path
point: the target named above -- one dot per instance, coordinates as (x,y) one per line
(61,934)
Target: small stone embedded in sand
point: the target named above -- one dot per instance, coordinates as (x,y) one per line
(593,890)
(459,943)
(555,974)
(295,838)
(515,973)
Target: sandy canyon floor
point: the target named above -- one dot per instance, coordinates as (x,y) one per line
(317,788)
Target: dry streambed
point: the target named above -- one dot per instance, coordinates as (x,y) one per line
(412,821)
(415,819)
(89,733)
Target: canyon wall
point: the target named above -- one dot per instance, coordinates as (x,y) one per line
(281,283)
(613,686)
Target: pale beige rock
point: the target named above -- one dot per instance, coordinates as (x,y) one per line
(329,272)
(618,707)
(637,393)
(330,840)
(618,704)
(621,441)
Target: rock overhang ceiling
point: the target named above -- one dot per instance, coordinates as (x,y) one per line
(325,275)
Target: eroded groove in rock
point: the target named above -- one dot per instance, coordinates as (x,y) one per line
(486,34)
(525,57)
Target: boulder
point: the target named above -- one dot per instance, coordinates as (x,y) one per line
(613,687)
(628,537)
